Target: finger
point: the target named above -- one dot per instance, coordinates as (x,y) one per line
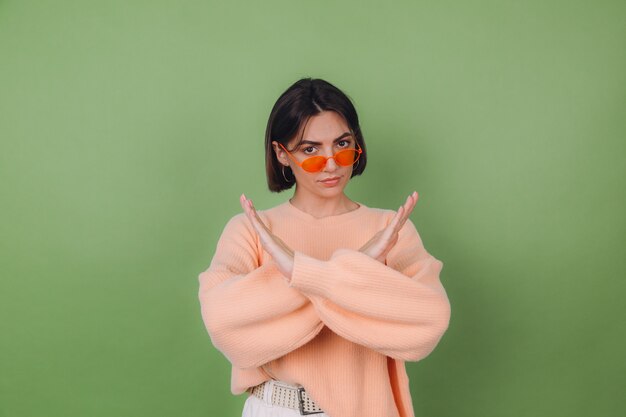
(409,205)
(393,225)
(247,210)
(402,214)
(250,213)
(256,215)
(256,220)
(244,203)
(407,208)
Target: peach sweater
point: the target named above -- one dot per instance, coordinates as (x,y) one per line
(345,323)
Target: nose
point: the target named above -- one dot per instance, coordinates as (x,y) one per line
(331,164)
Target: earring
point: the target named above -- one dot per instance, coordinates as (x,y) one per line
(357,163)
(284,175)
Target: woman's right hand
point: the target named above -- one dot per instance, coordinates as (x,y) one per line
(282,254)
(381,243)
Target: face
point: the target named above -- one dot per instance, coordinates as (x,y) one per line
(323,128)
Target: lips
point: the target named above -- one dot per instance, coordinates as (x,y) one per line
(330,179)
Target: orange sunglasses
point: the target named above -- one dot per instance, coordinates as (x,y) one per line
(344,157)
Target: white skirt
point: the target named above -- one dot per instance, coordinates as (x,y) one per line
(256,407)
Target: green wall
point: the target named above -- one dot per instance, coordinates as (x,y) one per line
(128,130)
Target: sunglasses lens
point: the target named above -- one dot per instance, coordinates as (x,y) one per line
(314,164)
(346,157)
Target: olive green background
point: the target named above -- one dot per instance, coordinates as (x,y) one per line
(129,129)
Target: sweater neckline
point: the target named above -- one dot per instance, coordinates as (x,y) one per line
(337,218)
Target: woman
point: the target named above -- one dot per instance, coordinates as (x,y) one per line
(319,301)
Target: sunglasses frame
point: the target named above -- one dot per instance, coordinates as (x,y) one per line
(358,151)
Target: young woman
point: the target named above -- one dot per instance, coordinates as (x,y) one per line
(319,301)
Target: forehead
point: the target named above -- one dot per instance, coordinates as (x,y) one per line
(326,127)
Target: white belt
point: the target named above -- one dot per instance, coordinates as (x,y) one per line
(286,395)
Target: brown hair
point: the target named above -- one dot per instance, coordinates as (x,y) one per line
(303,99)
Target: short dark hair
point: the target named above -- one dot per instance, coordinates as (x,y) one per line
(305,98)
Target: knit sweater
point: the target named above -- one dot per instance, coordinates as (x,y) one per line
(342,326)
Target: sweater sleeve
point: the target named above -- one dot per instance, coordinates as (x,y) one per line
(251,314)
(398,308)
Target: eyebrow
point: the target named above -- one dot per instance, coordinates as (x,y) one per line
(311,142)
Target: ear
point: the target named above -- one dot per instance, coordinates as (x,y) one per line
(281,155)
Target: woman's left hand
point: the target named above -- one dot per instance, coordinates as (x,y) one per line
(280,252)
(382,242)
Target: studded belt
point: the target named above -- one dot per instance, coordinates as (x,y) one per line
(286,395)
